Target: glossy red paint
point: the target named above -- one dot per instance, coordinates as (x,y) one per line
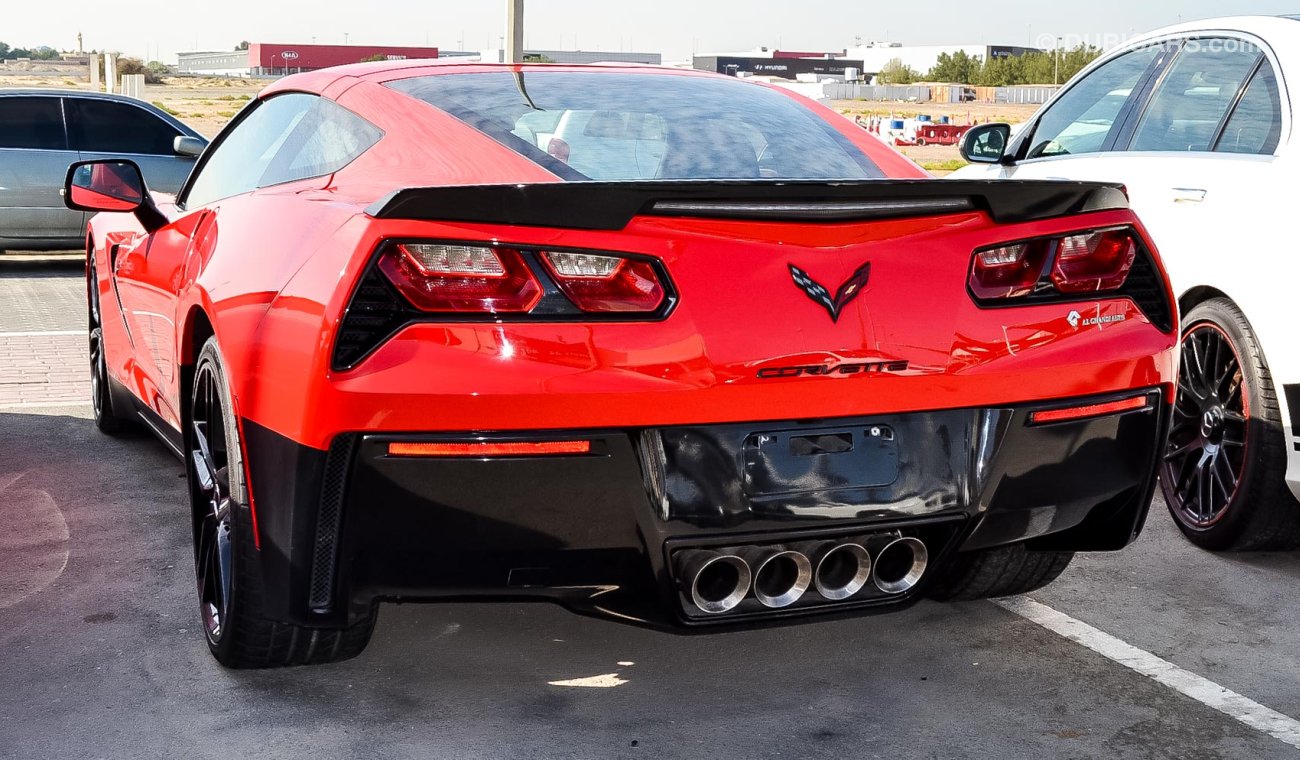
(271,272)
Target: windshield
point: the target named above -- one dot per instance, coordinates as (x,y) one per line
(609,126)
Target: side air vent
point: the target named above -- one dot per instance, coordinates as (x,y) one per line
(328,521)
(375,312)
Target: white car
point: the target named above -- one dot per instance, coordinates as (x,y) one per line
(1196,120)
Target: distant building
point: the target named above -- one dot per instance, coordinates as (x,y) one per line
(274,59)
(922,58)
(576,56)
(219,64)
(778,63)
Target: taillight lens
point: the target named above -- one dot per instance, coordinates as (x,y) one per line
(1083,262)
(1008,271)
(461,278)
(599,283)
(1093,261)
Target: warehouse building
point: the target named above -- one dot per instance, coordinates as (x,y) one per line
(264,59)
(777,63)
(575,56)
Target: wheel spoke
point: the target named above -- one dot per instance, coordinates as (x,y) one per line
(1193,445)
(1186,380)
(214,545)
(1232,478)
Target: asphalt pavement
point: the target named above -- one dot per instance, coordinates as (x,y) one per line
(101,653)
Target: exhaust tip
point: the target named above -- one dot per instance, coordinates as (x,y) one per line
(900,565)
(715,582)
(780,577)
(842,571)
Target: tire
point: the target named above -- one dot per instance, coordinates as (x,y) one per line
(108,419)
(230,586)
(1000,571)
(1224,469)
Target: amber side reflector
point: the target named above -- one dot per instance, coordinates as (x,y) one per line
(1090,410)
(489,449)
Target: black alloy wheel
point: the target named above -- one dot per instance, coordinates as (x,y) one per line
(210,475)
(227,562)
(1223,473)
(98,372)
(101,401)
(1205,456)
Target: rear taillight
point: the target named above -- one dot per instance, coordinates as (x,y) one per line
(510,282)
(1008,271)
(1093,261)
(461,278)
(598,283)
(1083,262)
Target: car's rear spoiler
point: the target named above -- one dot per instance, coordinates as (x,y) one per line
(611,205)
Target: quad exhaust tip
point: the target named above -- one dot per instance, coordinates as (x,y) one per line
(715,581)
(842,570)
(900,565)
(781,576)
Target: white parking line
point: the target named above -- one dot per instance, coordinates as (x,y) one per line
(1203,690)
(42,333)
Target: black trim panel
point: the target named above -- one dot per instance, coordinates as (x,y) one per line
(596,532)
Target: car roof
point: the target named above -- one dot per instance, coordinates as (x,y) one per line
(1269,28)
(112,97)
(51,91)
(333,80)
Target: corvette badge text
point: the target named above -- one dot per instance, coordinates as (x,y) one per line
(833,370)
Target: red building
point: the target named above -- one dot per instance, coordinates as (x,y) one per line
(274,58)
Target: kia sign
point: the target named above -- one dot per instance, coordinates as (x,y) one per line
(264,57)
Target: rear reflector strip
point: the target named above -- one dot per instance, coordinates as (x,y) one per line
(1139,403)
(489,449)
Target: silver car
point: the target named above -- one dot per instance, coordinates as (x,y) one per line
(43,131)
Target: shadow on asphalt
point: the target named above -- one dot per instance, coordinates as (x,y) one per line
(29,265)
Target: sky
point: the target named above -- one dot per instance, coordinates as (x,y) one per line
(157,30)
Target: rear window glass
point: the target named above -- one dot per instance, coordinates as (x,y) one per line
(606,126)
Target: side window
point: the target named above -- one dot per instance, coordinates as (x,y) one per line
(103,126)
(1194,95)
(1256,124)
(32,123)
(284,138)
(1080,120)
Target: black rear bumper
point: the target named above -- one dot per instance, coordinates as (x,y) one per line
(344,528)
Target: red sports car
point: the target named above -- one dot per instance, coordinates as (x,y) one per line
(662,346)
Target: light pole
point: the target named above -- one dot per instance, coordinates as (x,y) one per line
(1056,68)
(515,31)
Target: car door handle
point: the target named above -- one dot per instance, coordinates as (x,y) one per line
(1188,194)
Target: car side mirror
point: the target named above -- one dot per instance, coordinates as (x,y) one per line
(112,186)
(184,145)
(986,143)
